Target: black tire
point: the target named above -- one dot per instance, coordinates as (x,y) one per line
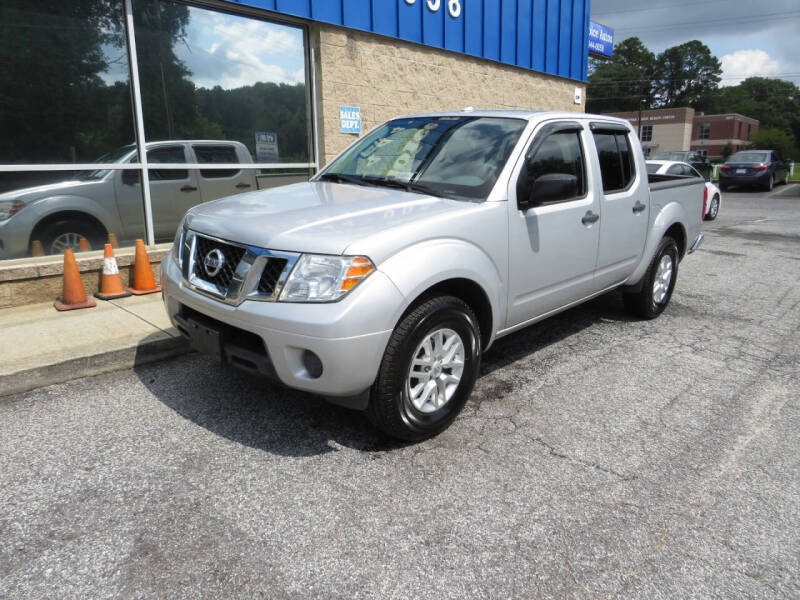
(642,303)
(787,178)
(713,210)
(390,408)
(770,183)
(54,230)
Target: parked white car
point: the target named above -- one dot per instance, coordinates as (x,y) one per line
(713,197)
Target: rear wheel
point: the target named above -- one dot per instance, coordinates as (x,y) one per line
(659,281)
(713,210)
(770,183)
(428,370)
(787,178)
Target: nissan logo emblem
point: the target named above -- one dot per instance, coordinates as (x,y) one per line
(213,262)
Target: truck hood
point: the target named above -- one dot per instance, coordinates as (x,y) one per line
(30,194)
(319,217)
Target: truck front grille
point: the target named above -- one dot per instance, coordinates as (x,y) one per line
(271,275)
(205,268)
(231,272)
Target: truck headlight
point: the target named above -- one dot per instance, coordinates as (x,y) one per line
(9,208)
(323,278)
(177,244)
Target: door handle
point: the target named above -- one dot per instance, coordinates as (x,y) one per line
(242,185)
(638,207)
(590,218)
(188,188)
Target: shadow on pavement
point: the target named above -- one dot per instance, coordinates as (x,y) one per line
(262,414)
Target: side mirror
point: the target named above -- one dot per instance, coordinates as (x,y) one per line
(130,177)
(550,188)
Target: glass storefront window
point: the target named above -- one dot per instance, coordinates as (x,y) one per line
(64,81)
(81,210)
(217,89)
(208,75)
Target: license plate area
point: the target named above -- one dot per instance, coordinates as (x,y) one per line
(741,171)
(205,338)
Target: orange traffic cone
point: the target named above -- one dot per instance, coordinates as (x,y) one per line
(36,248)
(83,244)
(143,280)
(74,295)
(112,239)
(111,282)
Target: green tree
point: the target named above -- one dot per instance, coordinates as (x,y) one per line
(686,75)
(625,81)
(55,105)
(774,102)
(772,138)
(727,150)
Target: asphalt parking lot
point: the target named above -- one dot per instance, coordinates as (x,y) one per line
(600,456)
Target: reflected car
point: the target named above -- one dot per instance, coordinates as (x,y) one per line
(712,200)
(764,168)
(93,204)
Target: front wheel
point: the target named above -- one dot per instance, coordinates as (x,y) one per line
(713,210)
(659,281)
(428,370)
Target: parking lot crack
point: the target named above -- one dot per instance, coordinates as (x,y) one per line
(593,465)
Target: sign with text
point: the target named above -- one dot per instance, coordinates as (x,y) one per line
(350,119)
(267,147)
(601,40)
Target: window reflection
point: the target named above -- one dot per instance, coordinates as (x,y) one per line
(63,81)
(80,210)
(213,76)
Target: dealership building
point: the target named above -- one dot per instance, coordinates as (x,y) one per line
(122,114)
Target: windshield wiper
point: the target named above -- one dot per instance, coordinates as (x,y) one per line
(342,178)
(425,189)
(404,185)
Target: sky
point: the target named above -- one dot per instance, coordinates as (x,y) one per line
(229,51)
(749,38)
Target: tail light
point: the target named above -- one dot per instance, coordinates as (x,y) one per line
(705,203)
(761,168)
(725,168)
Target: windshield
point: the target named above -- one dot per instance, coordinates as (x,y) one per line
(670,156)
(653,167)
(749,157)
(115,156)
(453,157)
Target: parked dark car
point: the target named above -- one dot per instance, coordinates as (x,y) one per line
(697,160)
(764,168)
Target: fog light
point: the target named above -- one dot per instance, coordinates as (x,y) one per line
(312,363)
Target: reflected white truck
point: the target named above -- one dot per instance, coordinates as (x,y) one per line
(381,282)
(91,204)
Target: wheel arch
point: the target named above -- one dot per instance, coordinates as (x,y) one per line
(66,215)
(466,290)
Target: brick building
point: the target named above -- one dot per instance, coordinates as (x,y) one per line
(663,130)
(711,133)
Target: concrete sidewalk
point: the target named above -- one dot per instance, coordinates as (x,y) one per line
(41,346)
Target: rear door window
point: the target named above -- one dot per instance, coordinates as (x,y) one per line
(211,154)
(616,160)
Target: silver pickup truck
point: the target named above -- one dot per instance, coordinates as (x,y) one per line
(381,282)
(91,204)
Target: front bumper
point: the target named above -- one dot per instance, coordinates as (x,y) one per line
(348,337)
(14,235)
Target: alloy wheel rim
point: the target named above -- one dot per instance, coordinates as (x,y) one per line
(663,279)
(714,207)
(64,241)
(437,366)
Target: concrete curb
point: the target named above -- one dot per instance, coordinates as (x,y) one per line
(146,351)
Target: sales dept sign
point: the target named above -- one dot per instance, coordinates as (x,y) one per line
(350,119)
